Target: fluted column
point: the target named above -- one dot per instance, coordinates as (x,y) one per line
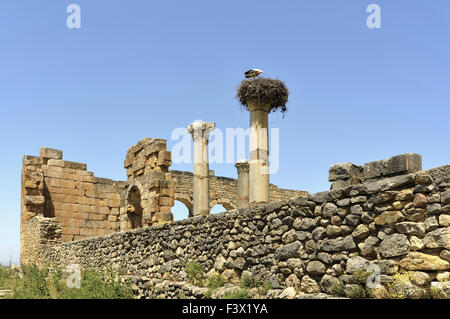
(242,169)
(200,135)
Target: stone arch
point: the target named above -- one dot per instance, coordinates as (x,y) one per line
(226,203)
(186,200)
(133,216)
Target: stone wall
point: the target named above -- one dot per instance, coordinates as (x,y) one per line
(84,205)
(346,174)
(222,190)
(311,243)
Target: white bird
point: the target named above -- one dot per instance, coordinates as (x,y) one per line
(253,73)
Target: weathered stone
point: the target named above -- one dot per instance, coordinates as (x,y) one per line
(288,293)
(361,232)
(444,220)
(410,228)
(356,263)
(289,237)
(293,281)
(292,250)
(431,223)
(329,210)
(394,245)
(443,276)
(338,244)
(420,278)
(434,209)
(309,285)
(445,198)
(315,267)
(423,178)
(351,220)
(416,243)
(420,201)
(420,261)
(389,217)
(439,238)
(319,233)
(367,248)
(405,195)
(219,263)
(327,283)
(445,254)
(342,171)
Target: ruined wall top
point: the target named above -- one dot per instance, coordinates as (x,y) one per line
(346,174)
(148,155)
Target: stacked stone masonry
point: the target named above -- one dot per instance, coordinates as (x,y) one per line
(86,206)
(398,223)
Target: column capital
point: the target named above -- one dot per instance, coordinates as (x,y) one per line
(201,129)
(242,166)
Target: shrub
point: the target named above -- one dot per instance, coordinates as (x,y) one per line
(238,294)
(361,276)
(33,285)
(215,281)
(338,289)
(194,271)
(247,282)
(39,283)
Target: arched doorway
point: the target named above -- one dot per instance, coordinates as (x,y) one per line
(134,210)
(180,210)
(218,208)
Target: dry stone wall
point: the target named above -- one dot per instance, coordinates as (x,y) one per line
(311,243)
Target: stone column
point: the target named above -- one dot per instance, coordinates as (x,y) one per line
(242,168)
(200,135)
(259,153)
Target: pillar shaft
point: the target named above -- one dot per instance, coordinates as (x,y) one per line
(243,189)
(259,153)
(200,135)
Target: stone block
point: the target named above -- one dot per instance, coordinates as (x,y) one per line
(397,165)
(343,171)
(51,153)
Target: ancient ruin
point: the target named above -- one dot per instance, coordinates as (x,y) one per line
(389,216)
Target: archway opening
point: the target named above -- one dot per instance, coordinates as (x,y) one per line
(134,211)
(219,208)
(180,211)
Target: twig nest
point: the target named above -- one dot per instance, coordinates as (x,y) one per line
(265,91)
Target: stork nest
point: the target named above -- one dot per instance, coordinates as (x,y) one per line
(267,91)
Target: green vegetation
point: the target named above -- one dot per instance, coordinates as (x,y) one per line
(238,294)
(214,282)
(357,292)
(41,283)
(247,282)
(361,276)
(396,288)
(195,273)
(338,289)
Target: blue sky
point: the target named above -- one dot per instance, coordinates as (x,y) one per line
(140,69)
